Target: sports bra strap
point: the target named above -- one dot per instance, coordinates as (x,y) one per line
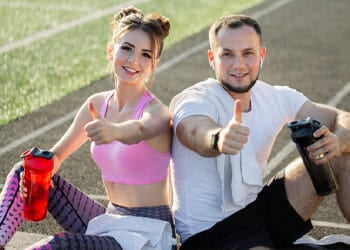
(146,98)
(103,108)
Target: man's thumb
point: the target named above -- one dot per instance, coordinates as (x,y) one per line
(93,111)
(237,112)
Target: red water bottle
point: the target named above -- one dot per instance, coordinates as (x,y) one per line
(38,165)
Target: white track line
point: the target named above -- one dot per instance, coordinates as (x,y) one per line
(162,67)
(273,163)
(37,6)
(205,44)
(330,224)
(38,132)
(98,197)
(65,26)
(290,147)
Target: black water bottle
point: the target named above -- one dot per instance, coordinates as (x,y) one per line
(322,175)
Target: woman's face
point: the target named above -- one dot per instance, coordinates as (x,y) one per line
(133,57)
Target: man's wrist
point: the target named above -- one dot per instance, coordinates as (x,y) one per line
(214,140)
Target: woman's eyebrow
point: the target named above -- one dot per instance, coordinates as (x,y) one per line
(132,45)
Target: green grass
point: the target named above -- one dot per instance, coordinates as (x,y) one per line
(46,70)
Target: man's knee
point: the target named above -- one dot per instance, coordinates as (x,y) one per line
(341,165)
(299,189)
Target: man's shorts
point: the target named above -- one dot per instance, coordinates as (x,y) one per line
(268,221)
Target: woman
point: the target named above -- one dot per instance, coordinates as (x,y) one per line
(130,133)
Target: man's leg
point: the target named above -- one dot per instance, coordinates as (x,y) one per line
(341,167)
(300,190)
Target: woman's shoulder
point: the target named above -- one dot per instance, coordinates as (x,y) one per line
(157,105)
(98,98)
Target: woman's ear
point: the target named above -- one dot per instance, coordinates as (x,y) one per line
(156,63)
(110,51)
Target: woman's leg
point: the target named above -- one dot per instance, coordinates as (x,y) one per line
(70,207)
(81,241)
(11,206)
(70,241)
(157,212)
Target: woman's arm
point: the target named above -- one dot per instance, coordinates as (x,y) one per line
(74,136)
(154,121)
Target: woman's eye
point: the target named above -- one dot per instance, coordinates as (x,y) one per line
(147,55)
(127,48)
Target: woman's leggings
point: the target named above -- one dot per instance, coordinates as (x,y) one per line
(71,208)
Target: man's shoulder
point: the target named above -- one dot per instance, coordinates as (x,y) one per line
(261,85)
(197,89)
(205,85)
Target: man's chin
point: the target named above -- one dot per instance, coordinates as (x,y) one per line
(239,89)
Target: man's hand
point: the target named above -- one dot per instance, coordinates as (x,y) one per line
(326,147)
(233,137)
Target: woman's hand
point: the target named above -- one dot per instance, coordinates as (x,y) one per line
(99,129)
(22,188)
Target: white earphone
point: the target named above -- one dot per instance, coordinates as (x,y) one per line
(261,61)
(212,64)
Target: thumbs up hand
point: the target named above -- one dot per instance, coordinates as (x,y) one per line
(93,111)
(237,111)
(99,129)
(233,137)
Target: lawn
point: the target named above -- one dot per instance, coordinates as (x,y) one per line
(39,72)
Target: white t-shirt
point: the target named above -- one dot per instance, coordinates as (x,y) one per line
(197,198)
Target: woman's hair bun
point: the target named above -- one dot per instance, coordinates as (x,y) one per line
(132,16)
(124,12)
(163,22)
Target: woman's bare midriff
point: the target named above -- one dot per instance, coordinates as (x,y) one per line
(138,195)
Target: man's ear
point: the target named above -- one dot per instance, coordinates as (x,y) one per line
(211,59)
(262,56)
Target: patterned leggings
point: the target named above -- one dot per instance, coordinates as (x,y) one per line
(72,209)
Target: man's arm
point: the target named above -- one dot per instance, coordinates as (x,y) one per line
(336,132)
(196,133)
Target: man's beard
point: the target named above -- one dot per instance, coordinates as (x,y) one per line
(239,90)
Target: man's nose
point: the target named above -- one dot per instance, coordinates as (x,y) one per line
(238,61)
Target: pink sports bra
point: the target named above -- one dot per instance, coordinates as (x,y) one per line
(137,164)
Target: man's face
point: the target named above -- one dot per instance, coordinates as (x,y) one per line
(236,57)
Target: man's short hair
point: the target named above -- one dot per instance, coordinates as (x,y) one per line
(232,21)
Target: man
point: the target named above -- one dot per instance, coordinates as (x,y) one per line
(224,130)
